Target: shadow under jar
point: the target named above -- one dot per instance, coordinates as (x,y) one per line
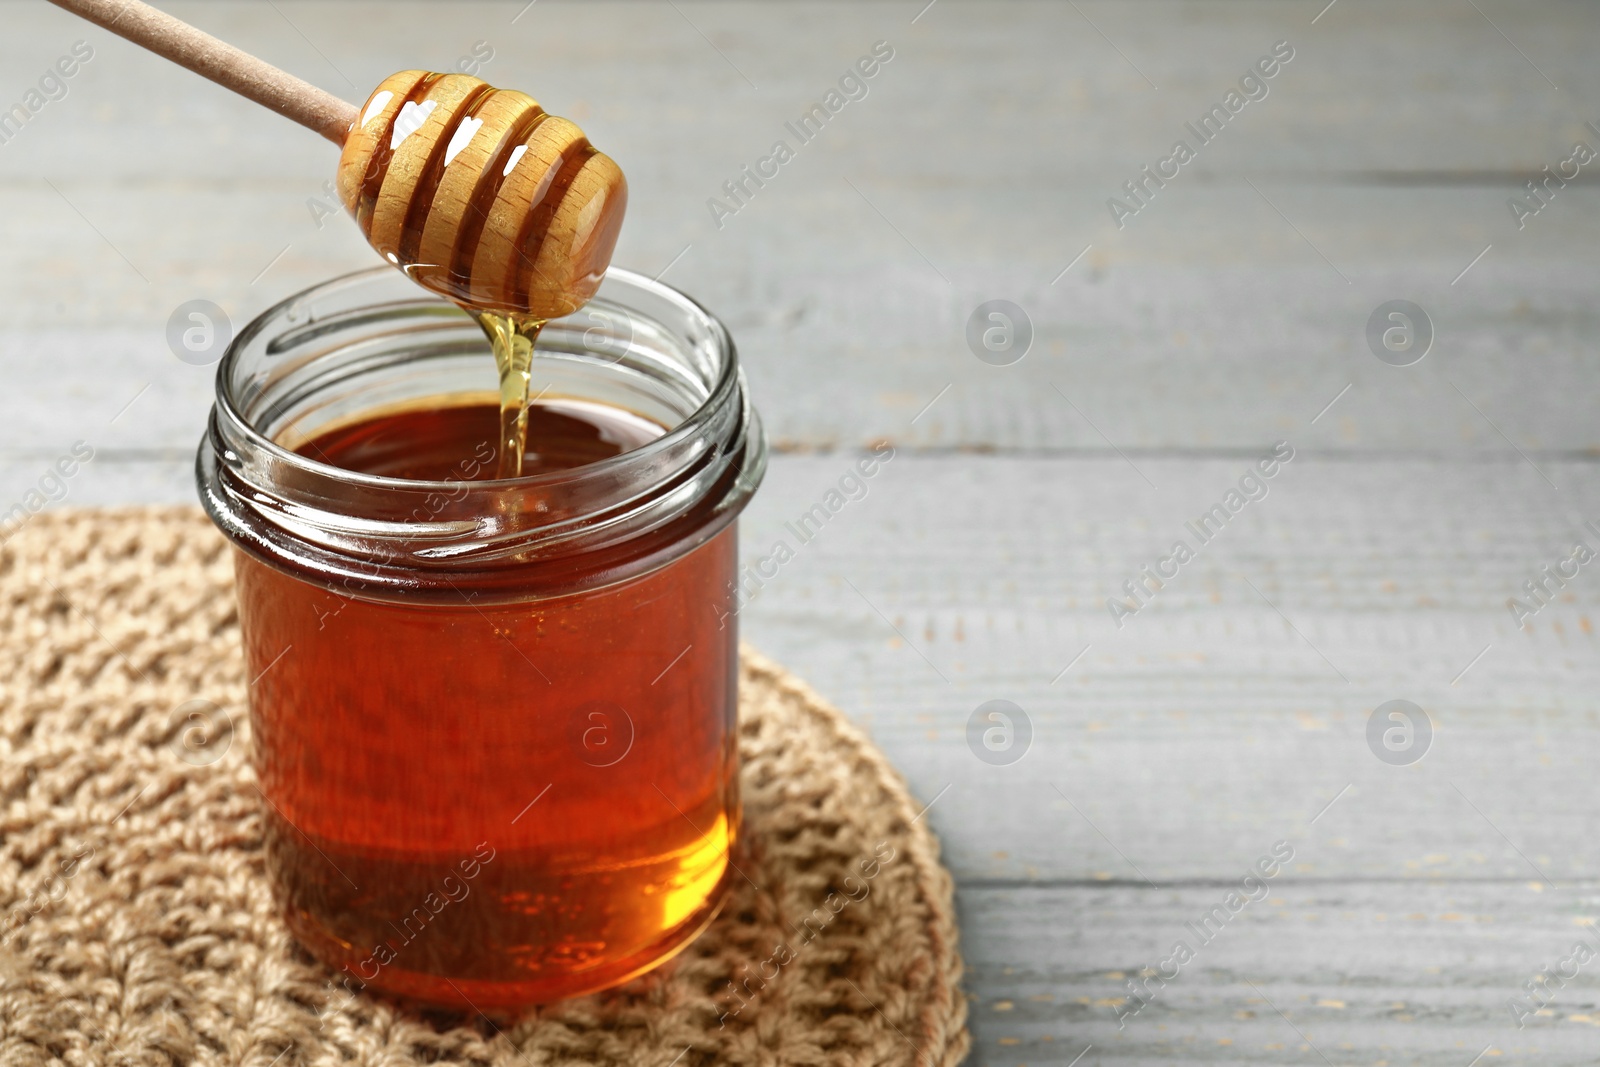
(494,720)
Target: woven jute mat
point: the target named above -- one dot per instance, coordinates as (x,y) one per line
(136,922)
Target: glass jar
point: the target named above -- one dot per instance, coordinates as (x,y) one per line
(494,721)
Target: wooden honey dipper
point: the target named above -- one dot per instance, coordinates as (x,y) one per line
(476,192)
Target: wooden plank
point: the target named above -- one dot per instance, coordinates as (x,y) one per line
(1129,353)
(1208,720)
(1066,97)
(1219,318)
(1361,973)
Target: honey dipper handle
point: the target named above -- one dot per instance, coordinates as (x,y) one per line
(221,62)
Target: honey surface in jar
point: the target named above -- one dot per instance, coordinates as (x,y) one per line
(541,817)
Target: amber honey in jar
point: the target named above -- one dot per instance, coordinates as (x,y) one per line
(493,720)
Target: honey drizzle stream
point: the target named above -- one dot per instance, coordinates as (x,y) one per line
(512,337)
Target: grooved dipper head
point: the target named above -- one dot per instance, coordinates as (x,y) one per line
(480,195)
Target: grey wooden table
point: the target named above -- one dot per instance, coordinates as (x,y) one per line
(1169,750)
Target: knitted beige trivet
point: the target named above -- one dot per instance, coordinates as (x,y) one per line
(136,925)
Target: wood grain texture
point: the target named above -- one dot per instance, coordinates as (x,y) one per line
(1212,318)
(1347,974)
(1155,356)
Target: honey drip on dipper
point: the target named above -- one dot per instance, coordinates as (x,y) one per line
(481,196)
(476,193)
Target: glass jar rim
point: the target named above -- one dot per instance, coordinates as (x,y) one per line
(727,381)
(336,350)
